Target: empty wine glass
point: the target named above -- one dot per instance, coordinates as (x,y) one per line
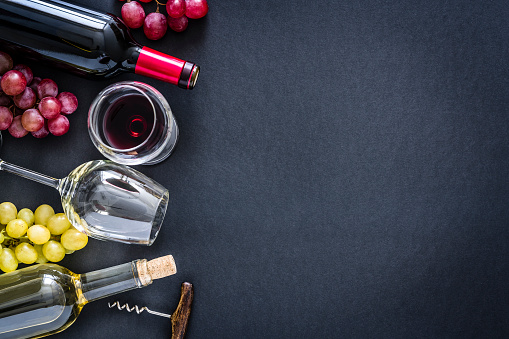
(106,200)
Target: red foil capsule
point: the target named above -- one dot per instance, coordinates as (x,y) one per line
(167,68)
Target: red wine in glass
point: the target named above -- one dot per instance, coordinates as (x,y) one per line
(129,121)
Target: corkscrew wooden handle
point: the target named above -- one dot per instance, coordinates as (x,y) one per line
(180,318)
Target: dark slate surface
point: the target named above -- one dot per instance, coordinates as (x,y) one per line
(342,172)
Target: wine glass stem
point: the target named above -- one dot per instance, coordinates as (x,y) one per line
(28,174)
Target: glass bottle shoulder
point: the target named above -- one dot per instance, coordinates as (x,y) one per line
(38,299)
(81,40)
(44,274)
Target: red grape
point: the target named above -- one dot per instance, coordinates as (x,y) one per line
(13,82)
(50,107)
(18,85)
(178,24)
(26,99)
(58,126)
(43,132)
(34,83)
(47,88)
(69,102)
(6,118)
(5,62)
(155,26)
(27,72)
(32,120)
(16,129)
(196,9)
(176,8)
(133,14)
(5,100)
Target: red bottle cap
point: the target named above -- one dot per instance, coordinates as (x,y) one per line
(164,67)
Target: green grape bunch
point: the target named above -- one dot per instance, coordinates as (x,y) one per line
(28,237)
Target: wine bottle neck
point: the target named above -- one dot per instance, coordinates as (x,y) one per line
(164,67)
(112,280)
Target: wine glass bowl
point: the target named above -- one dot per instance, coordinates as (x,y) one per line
(131,123)
(113,202)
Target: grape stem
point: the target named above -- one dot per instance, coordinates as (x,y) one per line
(8,241)
(16,241)
(158,3)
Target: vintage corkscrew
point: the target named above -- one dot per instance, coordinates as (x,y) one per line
(179,318)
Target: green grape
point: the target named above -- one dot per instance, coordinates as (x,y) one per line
(41,259)
(73,239)
(26,253)
(2,238)
(16,228)
(42,214)
(38,234)
(8,261)
(27,215)
(58,224)
(53,251)
(12,248)
(8,212)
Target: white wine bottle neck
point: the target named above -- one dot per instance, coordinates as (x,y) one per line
(136,274)
(109,281)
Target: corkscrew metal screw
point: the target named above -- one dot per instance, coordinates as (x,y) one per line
(179,318)
(137,309)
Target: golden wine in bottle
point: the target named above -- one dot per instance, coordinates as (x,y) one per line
(45,299)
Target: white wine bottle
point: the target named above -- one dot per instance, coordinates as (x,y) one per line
(45,299)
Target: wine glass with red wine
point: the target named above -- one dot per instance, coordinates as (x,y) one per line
(131,123)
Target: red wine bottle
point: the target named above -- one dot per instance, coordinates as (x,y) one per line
(84,42)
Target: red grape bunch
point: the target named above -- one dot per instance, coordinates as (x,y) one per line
(31,104)
(155,24)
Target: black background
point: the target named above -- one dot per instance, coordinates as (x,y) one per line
(342,172)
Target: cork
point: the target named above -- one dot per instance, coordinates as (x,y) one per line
(155,269)
(161,267)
